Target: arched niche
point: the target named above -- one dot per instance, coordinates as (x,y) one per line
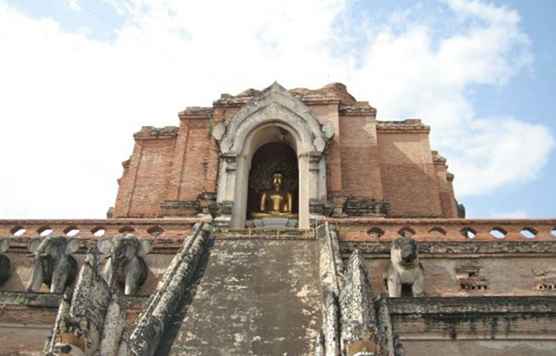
(268,159)
(275,116)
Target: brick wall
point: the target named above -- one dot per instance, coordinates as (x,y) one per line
(195,165)
(152,176)
(447,199)
(328,114)
(408,174)
(360,157)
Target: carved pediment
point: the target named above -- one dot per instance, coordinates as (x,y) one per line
(274,105)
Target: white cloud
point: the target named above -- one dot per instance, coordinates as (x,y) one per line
(70,103)
(73,4)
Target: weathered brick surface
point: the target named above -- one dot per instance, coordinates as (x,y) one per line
(408,174)
(364,229)
(195,166)
(148,176)
(447,199)
(152,174)
(366,158)
(481,347)
(26,320)
(360,158)
(500,275)
(328,114)
(501,326)
(176,171)
(25,339)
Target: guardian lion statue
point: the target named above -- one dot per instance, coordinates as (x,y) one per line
(405,268)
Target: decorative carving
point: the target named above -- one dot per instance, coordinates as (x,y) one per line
(180,207)
(319,207)
(359,329)
(218,131)
(363,206)
(207,202)
(125,265)
(277,103)
(165,301)
(457,247)
(355,322)
(470,279)
(319,144)
(328,131)
(90,320)
(339,203)
(545,280)
(225,207)
(375,232)
(405,272)
(53,263)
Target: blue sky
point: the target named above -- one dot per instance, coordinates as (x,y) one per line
(79,77)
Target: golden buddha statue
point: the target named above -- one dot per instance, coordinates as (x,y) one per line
(276,202)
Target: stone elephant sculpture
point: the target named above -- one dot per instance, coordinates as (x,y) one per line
(125,266)
(405,270)
(5,265)
(53,263)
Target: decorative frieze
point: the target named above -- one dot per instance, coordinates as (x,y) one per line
(354,206)
(440,249)
(180,208)
(470,279)
(545,280)
(319,207)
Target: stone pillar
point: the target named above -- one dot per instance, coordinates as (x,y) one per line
(241,190)
(226,189)
(314,176)
(304,190)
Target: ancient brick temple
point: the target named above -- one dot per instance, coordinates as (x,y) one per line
(280,222)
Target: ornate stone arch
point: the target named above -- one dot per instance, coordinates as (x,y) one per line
(249,128)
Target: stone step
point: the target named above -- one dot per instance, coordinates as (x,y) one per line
(253,297)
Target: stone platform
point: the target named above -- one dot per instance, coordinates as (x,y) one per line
(272,222)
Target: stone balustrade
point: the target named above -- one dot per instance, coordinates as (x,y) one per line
(350,229)
(96,228)
(369,229)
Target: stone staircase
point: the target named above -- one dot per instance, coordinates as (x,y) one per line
(257,293)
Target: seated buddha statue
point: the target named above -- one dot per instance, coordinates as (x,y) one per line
(276,201)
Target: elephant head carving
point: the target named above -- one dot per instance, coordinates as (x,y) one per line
(405,270)
(5,268)
(125,266)
(53,263)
